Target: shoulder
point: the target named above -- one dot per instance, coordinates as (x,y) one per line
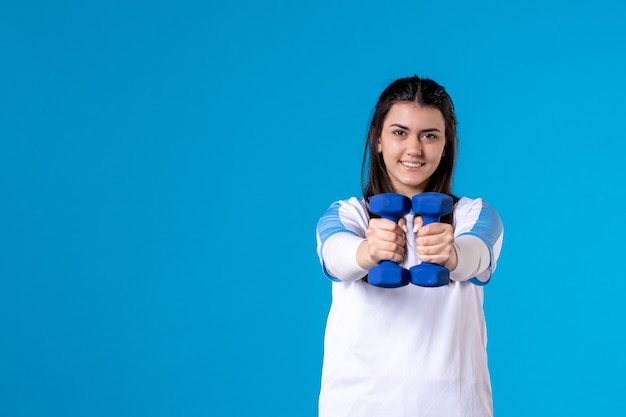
(344,215)
(466,205)
(476,214)
(353,210)
(351,205)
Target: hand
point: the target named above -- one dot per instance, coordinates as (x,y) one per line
(435,243)
(385,240)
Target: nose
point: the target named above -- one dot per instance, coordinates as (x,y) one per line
(414,146)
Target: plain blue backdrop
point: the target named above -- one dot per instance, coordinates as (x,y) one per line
(163,165)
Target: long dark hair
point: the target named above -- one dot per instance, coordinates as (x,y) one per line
(423,92)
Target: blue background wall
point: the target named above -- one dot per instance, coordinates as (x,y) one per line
(163,165)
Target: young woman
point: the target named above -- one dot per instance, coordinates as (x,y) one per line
(411,350)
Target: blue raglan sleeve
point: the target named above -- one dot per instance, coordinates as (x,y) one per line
(339,232)
(479,219)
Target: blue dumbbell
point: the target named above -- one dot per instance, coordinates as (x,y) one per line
(388,274)
(431,206)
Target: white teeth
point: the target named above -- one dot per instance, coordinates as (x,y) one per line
(412,164)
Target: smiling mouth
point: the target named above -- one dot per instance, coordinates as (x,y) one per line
(412,164)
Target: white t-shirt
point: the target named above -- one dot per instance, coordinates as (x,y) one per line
(408,351)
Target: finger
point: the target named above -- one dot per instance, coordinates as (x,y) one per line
(391,256)
(396,236)
(439,254)
(383,224)
(380,251)
(387,230)
(434,250)
(435,229)
(434,240)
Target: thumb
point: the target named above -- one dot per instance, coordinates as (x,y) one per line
(402,224)
(418,222)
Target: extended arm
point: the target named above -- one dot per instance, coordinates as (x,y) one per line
(479,233)
(471,249)
(349,243)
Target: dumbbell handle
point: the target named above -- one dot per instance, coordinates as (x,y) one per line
(428,219)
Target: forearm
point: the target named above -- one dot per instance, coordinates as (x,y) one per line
(473,257)
(345,256)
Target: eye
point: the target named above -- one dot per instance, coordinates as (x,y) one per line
(430,136)
(399,132)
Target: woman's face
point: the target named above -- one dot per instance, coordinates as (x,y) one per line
(412,142)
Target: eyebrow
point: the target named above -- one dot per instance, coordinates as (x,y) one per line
(431,129)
